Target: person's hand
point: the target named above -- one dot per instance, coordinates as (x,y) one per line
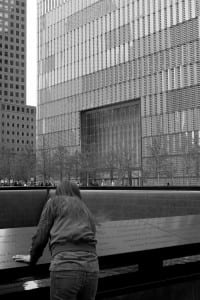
(22,258)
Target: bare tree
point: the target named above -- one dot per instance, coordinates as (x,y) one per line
(127,164)
(170,169)
(85,164)
(156,162)
(25,164)
(59,161)
(195,157)
(2,164)
(7,163)
(110,162)
(44,162)
(76,162)
(187,162)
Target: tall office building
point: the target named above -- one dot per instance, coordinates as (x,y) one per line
(122,77)
(17,120)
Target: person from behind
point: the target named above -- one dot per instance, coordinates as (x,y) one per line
(68,225)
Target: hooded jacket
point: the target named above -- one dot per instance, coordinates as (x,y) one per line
(67,224)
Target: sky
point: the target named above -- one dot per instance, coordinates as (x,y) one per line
(31,79)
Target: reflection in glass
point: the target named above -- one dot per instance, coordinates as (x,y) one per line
(115,128)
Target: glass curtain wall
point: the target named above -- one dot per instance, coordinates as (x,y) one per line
(111,136)
(96,53)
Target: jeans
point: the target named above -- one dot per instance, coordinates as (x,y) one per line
(73,285)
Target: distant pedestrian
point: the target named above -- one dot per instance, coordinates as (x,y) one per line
(70,228)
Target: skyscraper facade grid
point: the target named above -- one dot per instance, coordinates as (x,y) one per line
(17,120)
(132,61)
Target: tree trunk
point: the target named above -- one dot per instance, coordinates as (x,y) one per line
(130,177)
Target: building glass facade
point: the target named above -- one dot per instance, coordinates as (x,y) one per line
(97,53)
(113,131)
